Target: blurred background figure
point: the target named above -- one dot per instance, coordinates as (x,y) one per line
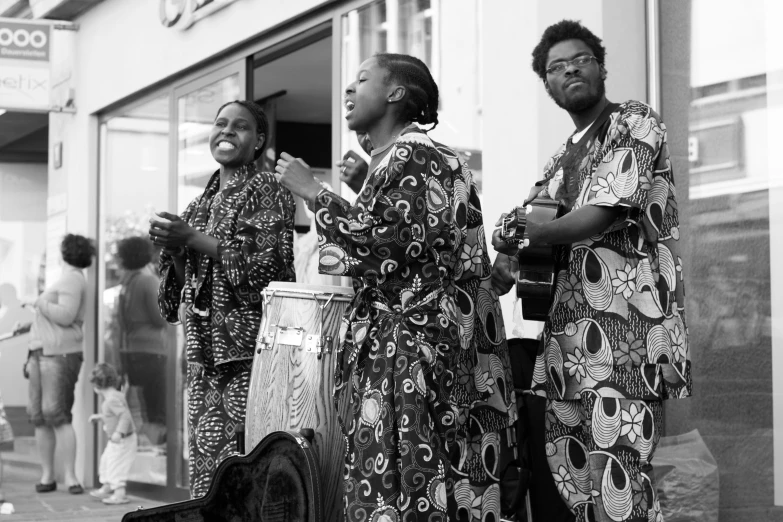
(56,354)
(139,335)
(6,442)
(119,453)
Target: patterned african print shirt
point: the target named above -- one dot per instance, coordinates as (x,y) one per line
(617,324)
(253,220)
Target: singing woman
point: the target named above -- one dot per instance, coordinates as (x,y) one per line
(422,384)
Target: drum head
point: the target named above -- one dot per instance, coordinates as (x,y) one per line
(277,482)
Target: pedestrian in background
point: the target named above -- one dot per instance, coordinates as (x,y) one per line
(117,457)
(141,337)
(6,438)
(56,354)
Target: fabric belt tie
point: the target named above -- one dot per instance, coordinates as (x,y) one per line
(368,297)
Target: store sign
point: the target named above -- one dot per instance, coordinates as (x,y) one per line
(184,13)
(24,65)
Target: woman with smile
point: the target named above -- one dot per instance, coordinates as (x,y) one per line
(422,383)
(217,258)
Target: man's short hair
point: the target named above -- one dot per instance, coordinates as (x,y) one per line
(559,32)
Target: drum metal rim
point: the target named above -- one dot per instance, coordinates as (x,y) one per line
(304,287)
(294,293)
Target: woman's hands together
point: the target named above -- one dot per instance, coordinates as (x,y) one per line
(171,232)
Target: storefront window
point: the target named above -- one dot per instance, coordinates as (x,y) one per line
(418,28)
(135,338)
(730,173)
(196,114)
(23,229)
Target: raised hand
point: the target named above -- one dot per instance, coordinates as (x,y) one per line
(353,170)
(295,175)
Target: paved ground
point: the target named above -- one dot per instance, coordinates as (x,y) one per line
(19,480)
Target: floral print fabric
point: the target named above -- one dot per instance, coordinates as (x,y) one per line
(423,385)
(617,325)
(253,220)
(599,450)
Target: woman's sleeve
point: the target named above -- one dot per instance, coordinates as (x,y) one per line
(170,291)
(403,213)
(262,249)
(69,300)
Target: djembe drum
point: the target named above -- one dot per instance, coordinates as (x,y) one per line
(293,376)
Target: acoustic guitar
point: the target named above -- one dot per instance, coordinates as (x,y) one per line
(536,277)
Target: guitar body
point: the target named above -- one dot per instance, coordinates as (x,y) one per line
(536,277)
(278,481)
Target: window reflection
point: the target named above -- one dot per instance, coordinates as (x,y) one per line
(196,114)
(730,236)
(136,340)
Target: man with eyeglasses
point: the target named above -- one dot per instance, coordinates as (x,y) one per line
(615,342)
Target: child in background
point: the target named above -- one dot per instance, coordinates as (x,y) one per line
(117,457)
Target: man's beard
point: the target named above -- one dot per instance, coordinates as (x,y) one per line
(584,103)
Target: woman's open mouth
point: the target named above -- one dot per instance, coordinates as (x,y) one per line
(226,145)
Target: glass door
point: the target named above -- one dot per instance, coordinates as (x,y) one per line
(196,105)
(132,336)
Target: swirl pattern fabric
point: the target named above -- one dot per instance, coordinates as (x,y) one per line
(617,325)
(253,220)
(423,386)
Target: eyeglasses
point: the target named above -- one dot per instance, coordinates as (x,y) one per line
(580,61)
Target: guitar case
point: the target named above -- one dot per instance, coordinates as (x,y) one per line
(276,482)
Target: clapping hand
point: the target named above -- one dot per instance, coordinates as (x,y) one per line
(295,175)
(170,231)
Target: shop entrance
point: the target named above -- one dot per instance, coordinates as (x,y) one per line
(161,143)
(295,90)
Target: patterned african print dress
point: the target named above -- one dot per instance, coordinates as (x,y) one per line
(253,219)
(423,385)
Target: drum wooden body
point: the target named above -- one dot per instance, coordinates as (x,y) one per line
(293,377)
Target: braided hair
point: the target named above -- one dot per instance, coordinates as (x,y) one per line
(421,104)
(262,123)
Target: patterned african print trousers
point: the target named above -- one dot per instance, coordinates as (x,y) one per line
(217,397)
(599,451)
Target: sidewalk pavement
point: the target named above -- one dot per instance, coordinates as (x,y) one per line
(18,486)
